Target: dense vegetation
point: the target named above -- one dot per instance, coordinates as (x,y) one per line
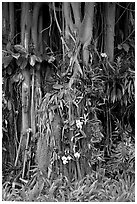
(68,101)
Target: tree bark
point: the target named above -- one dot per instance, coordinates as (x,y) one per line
(5,24)
(86,30)
(11,19)
(109,30)
(109,17)
(35,25)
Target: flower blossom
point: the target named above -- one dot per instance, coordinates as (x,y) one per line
(104,55)
(77,155)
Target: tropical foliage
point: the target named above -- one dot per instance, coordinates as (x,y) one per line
(68,101)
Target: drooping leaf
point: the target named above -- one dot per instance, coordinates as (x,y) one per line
(20,49)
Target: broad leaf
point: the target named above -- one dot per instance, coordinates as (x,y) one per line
(6,60)
(20,49)
(57,86)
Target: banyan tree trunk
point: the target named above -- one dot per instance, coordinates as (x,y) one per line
(109,50)
(109,30)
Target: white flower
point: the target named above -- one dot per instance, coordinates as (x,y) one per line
(64,158)
(69,157)
(65,161)
(77,155)
(103,55)
(79,124)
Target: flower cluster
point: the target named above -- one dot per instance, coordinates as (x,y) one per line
(104,55)
(66,159)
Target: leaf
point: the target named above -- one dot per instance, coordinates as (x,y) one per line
(51,59)
(6,60)
(20,49)
(32,60)
(63,196)
(8,46)
(113,95)
(22,62)
(19,61)
(129,88)
(132,89)
(131,19)
(16,55)
(119,94)
(9,70)
(61,93)
(57,86)
(49,170)
(61,104)
(38,59)
(132,43)
(126,47)
(9,105)
(51,116)
(119,47)
(77,66)
(123,89)
(17,77)
(122,197)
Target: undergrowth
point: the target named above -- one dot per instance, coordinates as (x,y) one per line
(94,187)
